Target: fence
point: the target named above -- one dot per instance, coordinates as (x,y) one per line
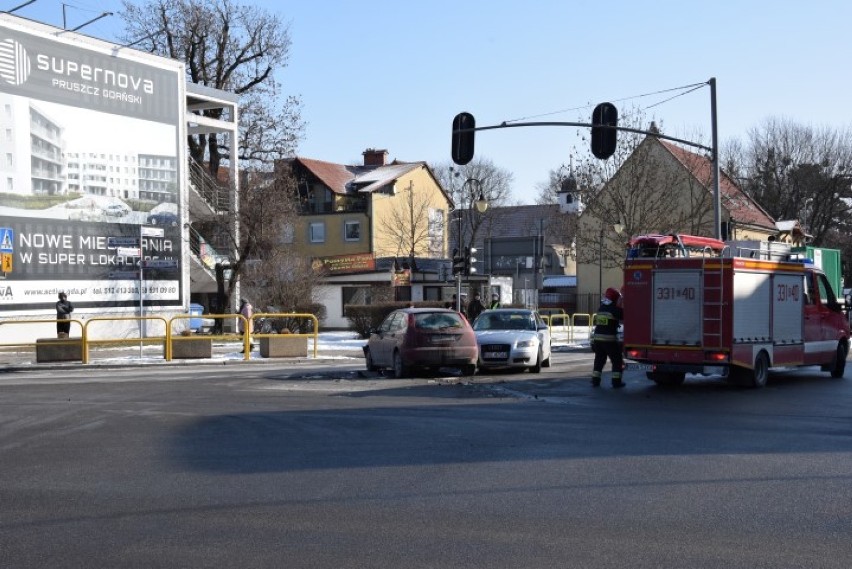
(167,339)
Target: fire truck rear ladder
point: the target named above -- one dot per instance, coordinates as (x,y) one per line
(713,299)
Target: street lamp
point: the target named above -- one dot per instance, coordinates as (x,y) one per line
(481,205)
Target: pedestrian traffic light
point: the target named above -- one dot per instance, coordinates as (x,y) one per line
(458,263)
(604,119)
(462,151)
(469,260)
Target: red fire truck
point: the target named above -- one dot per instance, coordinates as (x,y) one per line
(698,305)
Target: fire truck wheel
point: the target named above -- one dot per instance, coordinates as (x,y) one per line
(760,373)
(839,361)
(666,378)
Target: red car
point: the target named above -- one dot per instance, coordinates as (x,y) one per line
(422,338)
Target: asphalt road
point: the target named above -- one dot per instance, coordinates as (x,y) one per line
(321,466)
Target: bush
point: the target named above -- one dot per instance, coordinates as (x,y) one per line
(283,324)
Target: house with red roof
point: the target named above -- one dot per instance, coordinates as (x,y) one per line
(376,231)
(660,188)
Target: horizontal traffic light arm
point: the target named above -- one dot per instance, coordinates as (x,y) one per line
(587,125)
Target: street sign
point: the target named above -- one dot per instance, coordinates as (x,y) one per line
(7,238)
(152,231)
(113,242)
(7,262)
(127,251)
(124,275)
(160,264)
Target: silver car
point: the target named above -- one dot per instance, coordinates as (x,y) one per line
(512,338)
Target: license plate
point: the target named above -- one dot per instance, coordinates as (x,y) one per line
(495,355)
(639,367)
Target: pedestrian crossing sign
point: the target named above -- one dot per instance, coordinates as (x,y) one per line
(7,238)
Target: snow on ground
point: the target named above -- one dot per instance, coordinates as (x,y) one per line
(331,346)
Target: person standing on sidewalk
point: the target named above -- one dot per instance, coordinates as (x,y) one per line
(64,308)
(606,344)
(475,308)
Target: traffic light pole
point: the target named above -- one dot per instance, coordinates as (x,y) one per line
(464,123)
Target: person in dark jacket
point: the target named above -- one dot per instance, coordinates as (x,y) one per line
(606,344)
(64,308)
(475,308)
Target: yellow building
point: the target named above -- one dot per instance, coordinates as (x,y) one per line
(384,210)
(373,230)
(660,188)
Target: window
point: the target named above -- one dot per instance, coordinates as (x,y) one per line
(10,185)
(356,295)
(826,293)
(9,161)
(352,231)
(317,232)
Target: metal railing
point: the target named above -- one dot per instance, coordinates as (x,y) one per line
(167,340)
(203,251)
(215,194)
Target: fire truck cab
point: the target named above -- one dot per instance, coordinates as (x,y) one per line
(698,305)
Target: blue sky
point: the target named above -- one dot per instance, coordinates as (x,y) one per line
(392,75)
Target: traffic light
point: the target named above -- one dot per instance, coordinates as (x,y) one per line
(458,263)
(603,139)
(469,260)
(462,150)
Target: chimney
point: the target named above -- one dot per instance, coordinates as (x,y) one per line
(375,157)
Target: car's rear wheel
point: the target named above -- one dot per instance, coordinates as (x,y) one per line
(371,365)
(839,361)
(400,369)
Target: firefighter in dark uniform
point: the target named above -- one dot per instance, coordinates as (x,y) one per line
(606,344)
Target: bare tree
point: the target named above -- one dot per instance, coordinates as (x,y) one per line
(800,172)
(225,46)
(642,189)
(260,245)
(465,184)
(407,224)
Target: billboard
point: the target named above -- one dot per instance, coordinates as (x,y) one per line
(90,152)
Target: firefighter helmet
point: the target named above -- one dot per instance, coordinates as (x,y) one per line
(612,294)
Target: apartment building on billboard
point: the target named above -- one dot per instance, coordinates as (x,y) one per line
(31,159)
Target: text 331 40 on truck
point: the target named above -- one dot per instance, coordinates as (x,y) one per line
(702,306)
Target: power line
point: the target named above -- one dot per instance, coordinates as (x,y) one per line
(690,88)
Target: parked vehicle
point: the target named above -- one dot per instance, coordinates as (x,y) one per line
(512,338)
(422,338)
(116,210)
(699,305)
(163,218)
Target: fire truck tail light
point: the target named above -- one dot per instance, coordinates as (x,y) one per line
(717,356)
(635,354)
